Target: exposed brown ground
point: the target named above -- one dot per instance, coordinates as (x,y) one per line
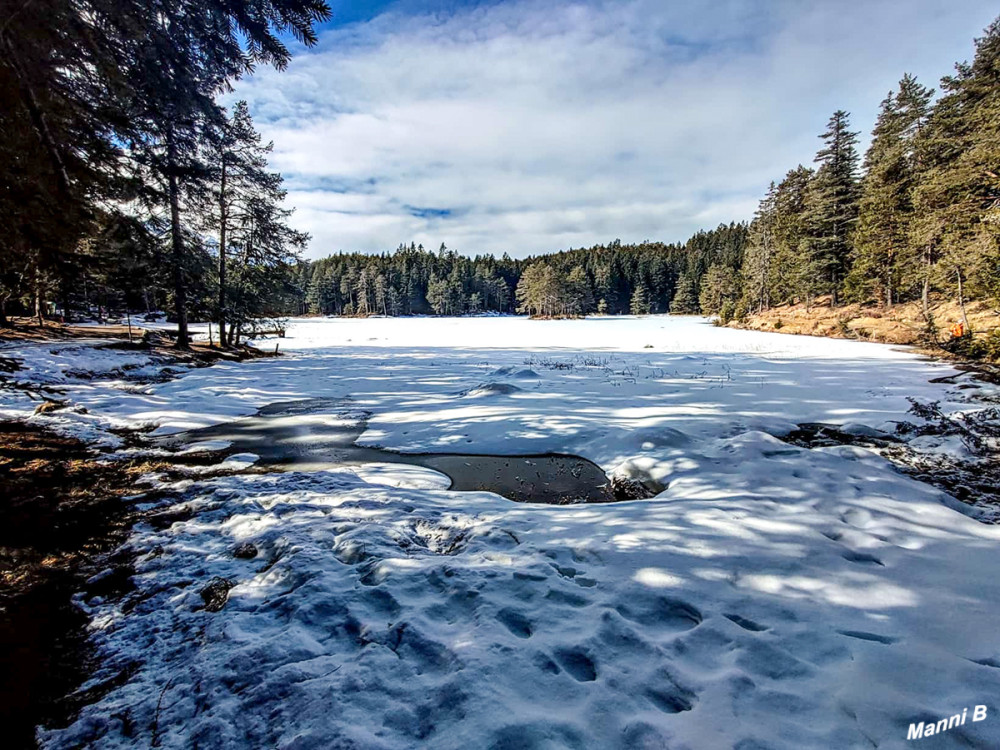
(900,324)
(61,515)
(28,329)
(61,518)
(156,341)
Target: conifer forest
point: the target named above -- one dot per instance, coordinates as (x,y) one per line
(127,186)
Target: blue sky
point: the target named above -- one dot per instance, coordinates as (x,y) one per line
(531,126)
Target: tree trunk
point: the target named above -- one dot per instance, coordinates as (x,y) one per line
(223,220)
(39,298)
(961,302)
(177,244)
(926,288)
(65,301)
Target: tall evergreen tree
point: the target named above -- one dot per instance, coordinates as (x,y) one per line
(759,260)
(639,304)
(718,287)
(958,193)
(832,206)
(685,301)
(238,172)
(790,276)
(885,265)
(581,298)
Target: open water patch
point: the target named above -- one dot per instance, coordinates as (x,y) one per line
(316,434)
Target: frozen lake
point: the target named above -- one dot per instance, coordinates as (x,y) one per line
(771,596)
(513,385)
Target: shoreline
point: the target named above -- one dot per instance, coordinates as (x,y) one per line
(65,517)
(899,325)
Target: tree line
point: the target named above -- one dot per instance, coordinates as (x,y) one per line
(919,215)
(124,184)
(607,279)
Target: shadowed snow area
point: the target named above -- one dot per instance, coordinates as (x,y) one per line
(770,596)
(315,434)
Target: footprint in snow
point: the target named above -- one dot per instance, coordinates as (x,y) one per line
(865,636)
(857,517)
(515,622)
(567,598)
(659,611)
(577,664)
(862,558)
(746,623)
(670,700)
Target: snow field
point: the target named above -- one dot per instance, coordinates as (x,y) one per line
(770,596)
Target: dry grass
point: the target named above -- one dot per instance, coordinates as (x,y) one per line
(900,324)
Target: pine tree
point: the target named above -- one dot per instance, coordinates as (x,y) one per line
(759,260)
(958,192)
(315,291)
(832,207)
(475,305)
(541,291)
(718,286)
(437,295)
(381,295)
(639,304)
(347,290)
(581,298)
(244,209)
(604,287)
(395,302)
(885,264)
(685,301)
(790,271)
(363,293)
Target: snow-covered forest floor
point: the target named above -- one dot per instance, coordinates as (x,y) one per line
(769,596)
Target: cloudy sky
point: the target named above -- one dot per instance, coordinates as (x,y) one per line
(525,127)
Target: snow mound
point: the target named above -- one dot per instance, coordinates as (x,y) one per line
(403,476)
(492,389)
(511,371)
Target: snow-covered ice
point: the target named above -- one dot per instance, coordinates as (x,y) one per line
(771,596)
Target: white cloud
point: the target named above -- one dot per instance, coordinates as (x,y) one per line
(541,126)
